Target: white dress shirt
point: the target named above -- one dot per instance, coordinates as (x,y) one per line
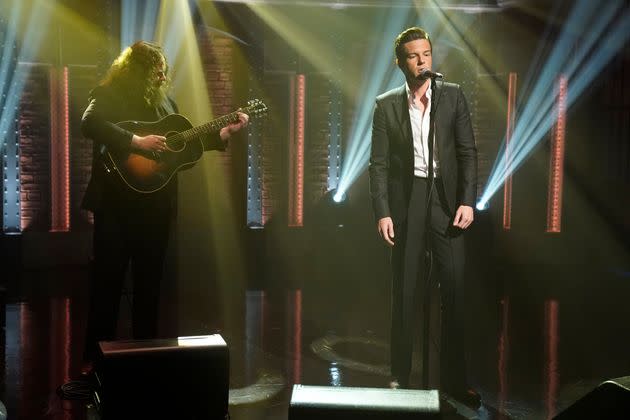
(420,131)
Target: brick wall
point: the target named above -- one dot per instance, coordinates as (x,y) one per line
(274,189)
(318,138)
(34,137)
(34,129)
(489,120)
(216,58)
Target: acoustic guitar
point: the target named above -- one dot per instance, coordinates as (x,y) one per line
(148,172)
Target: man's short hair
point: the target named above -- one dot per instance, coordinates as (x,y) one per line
(407,35)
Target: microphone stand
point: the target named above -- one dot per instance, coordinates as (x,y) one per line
(428,250)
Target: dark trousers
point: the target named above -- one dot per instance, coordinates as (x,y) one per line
(123,236)
(411,284)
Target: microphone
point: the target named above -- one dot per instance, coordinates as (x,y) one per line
(428,74)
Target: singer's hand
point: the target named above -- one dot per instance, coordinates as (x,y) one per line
(464,216)
(386,230)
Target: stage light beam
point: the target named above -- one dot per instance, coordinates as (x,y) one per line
(581,60)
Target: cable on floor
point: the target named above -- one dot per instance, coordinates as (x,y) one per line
(75,390)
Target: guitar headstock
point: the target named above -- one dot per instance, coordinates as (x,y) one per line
(255,108)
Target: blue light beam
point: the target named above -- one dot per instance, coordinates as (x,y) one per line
(138,21)
(604,37)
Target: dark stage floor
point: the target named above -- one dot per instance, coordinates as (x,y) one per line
(534,348)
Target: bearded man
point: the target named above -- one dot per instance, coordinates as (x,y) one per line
(130,226)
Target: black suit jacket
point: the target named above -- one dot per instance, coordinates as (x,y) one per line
(392,156)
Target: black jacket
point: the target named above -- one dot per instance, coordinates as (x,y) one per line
(392,156)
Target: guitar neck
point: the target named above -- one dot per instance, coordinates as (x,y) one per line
(210,127)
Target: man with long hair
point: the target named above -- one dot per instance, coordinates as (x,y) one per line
(129,226)
(423,181)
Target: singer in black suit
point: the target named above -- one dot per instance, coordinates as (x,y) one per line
(404,193)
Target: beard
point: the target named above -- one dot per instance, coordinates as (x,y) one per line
(155,94)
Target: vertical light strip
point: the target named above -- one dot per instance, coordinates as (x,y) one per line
(54,145)
(556,160)
(296,152)
(11,206)
(334,144)
(301,135)
(509,130)
(335,113)
(291,141)
(255,151)
(66,150)
(551,356)
(254,181)
(59,151)
(9,138)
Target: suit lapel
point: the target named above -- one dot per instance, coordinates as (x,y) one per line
(436,98)
(401,110)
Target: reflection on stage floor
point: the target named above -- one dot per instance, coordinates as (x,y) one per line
(533,350)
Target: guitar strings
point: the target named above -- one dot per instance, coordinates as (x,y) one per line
(191,133)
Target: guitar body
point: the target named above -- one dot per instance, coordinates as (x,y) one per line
(146,172)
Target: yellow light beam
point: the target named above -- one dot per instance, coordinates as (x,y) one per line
(205,213)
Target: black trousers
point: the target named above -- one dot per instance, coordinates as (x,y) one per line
(411,284)
(137,235)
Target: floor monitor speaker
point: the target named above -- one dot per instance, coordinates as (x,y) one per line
(178,378)
(609,400)
(347,403)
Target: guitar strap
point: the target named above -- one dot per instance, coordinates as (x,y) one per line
(169,107)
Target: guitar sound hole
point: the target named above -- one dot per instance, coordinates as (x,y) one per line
(173,143)
(176,145)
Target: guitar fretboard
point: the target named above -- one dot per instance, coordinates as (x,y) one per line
(210,127)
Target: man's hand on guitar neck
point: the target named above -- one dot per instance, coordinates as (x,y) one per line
(226,132)
(150,143)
